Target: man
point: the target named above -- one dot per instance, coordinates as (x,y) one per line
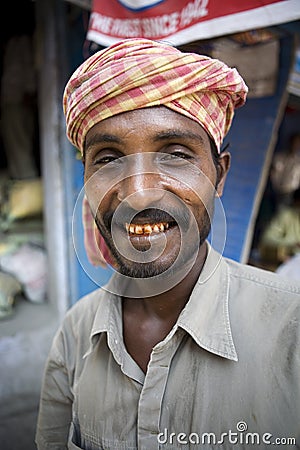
(182,348)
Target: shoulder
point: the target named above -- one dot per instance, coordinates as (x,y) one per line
(79,319)
(72,338)
(265,307)
(264,301)
(262,281)
(265,321)
(81,315)
(87,303)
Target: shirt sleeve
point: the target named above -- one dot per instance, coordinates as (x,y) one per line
(55,411)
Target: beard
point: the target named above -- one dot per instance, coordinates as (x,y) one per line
(179,254)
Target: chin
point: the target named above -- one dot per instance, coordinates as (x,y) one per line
(151,269)
(141,270)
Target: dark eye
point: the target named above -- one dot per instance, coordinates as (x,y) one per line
(105,159)
(179,154)
(106,156)
(175,157)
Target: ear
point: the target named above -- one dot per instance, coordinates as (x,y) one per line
(223,168)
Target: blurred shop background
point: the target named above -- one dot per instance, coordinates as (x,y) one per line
(43,265)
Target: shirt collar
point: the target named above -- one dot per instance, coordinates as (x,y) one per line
(205,316)
(108,315)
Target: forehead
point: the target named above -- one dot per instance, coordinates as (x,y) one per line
(148,124)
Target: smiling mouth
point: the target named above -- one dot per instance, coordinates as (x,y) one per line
(148,229)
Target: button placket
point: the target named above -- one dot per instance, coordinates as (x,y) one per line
(151,398)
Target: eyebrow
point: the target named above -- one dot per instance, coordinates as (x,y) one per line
(99,138)
(175,134)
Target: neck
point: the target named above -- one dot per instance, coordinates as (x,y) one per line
(168,305)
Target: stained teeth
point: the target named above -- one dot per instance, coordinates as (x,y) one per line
(139,229)
(146,229)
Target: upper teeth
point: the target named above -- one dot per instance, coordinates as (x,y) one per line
(147,228)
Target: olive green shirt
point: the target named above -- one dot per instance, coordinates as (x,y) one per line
(226,376)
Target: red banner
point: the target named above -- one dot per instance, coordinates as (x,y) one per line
(182,21)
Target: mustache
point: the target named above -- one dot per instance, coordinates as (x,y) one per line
(150,215)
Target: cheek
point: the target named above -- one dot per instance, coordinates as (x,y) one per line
(99,197)
(199,193)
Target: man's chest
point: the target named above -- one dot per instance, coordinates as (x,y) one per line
(186,394)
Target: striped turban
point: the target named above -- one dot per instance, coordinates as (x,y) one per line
(139,73)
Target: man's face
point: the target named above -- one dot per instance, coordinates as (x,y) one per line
(150,180)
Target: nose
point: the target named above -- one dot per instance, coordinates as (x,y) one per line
(140,191)
(142,187)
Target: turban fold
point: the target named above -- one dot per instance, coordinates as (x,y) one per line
(139,73)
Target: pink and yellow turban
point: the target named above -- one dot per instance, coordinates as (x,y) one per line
(140,73)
